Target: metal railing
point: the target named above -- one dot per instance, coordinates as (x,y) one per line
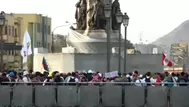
(93,95)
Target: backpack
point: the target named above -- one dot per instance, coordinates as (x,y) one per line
(170,82)
(147,80)
(72,80)
(182,82)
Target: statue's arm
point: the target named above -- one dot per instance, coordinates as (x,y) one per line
(78,3)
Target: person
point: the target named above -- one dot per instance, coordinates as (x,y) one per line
(72,79)
(119,78)
(182,79)
(26,78)
(19,78)
(11,78)
(134,76)
(148,79)
(57,79)
(124,78)
(157,79)
(140,81)
(49,80)
(169,81)
(3,78)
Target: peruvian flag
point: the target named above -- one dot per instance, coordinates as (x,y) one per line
(165,61)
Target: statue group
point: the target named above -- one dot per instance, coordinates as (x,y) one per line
(97,18)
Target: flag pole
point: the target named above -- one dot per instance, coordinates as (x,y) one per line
(21,63)
(27,51)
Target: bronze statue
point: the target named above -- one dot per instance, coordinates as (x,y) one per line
(97,19)
(80,14)
(115,9)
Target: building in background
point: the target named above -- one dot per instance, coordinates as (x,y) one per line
(178,52)
(39,28)
(149,48)
(11,41)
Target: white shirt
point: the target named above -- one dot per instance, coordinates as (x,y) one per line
(25,79)
(69,77)
(140,82)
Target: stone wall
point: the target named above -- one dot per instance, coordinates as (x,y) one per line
(56,62)
(143,63)
(79,62)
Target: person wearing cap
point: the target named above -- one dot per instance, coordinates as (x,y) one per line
(26,78)
(11,77)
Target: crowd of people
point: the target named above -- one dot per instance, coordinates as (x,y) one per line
(91,77)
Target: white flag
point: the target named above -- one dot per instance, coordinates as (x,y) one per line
(26,47)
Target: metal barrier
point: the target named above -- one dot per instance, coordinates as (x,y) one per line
(179,97)
(134,96)
(109,95)
(67,95)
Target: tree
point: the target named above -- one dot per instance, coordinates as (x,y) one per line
(131,46)
(137,52)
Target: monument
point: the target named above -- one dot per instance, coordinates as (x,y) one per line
(87,43)
(90,36)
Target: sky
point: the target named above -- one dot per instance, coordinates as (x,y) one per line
(149,19)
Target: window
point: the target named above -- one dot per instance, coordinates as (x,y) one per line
(38,27)
(4,52)
(38,44)
(9,30)
(14,52)
(49,30)
(6,31)
(9,52)
(13,31)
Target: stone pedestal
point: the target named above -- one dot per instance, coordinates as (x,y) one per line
(97,34)
(94,42)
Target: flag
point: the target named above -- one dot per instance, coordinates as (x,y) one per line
(44,64)
(26,47)
(165,61)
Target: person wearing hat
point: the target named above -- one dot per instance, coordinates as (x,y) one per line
(11,77)
(26,78)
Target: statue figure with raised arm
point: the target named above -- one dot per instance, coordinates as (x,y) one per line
(81,14)
(97,19)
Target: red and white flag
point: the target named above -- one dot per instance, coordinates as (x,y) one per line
(165,61)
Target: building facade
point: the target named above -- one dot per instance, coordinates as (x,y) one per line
(39,28)
(11,33)
(179,52)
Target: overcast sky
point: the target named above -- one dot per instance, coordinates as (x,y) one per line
(151,18)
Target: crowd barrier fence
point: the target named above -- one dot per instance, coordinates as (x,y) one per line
(108,95)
